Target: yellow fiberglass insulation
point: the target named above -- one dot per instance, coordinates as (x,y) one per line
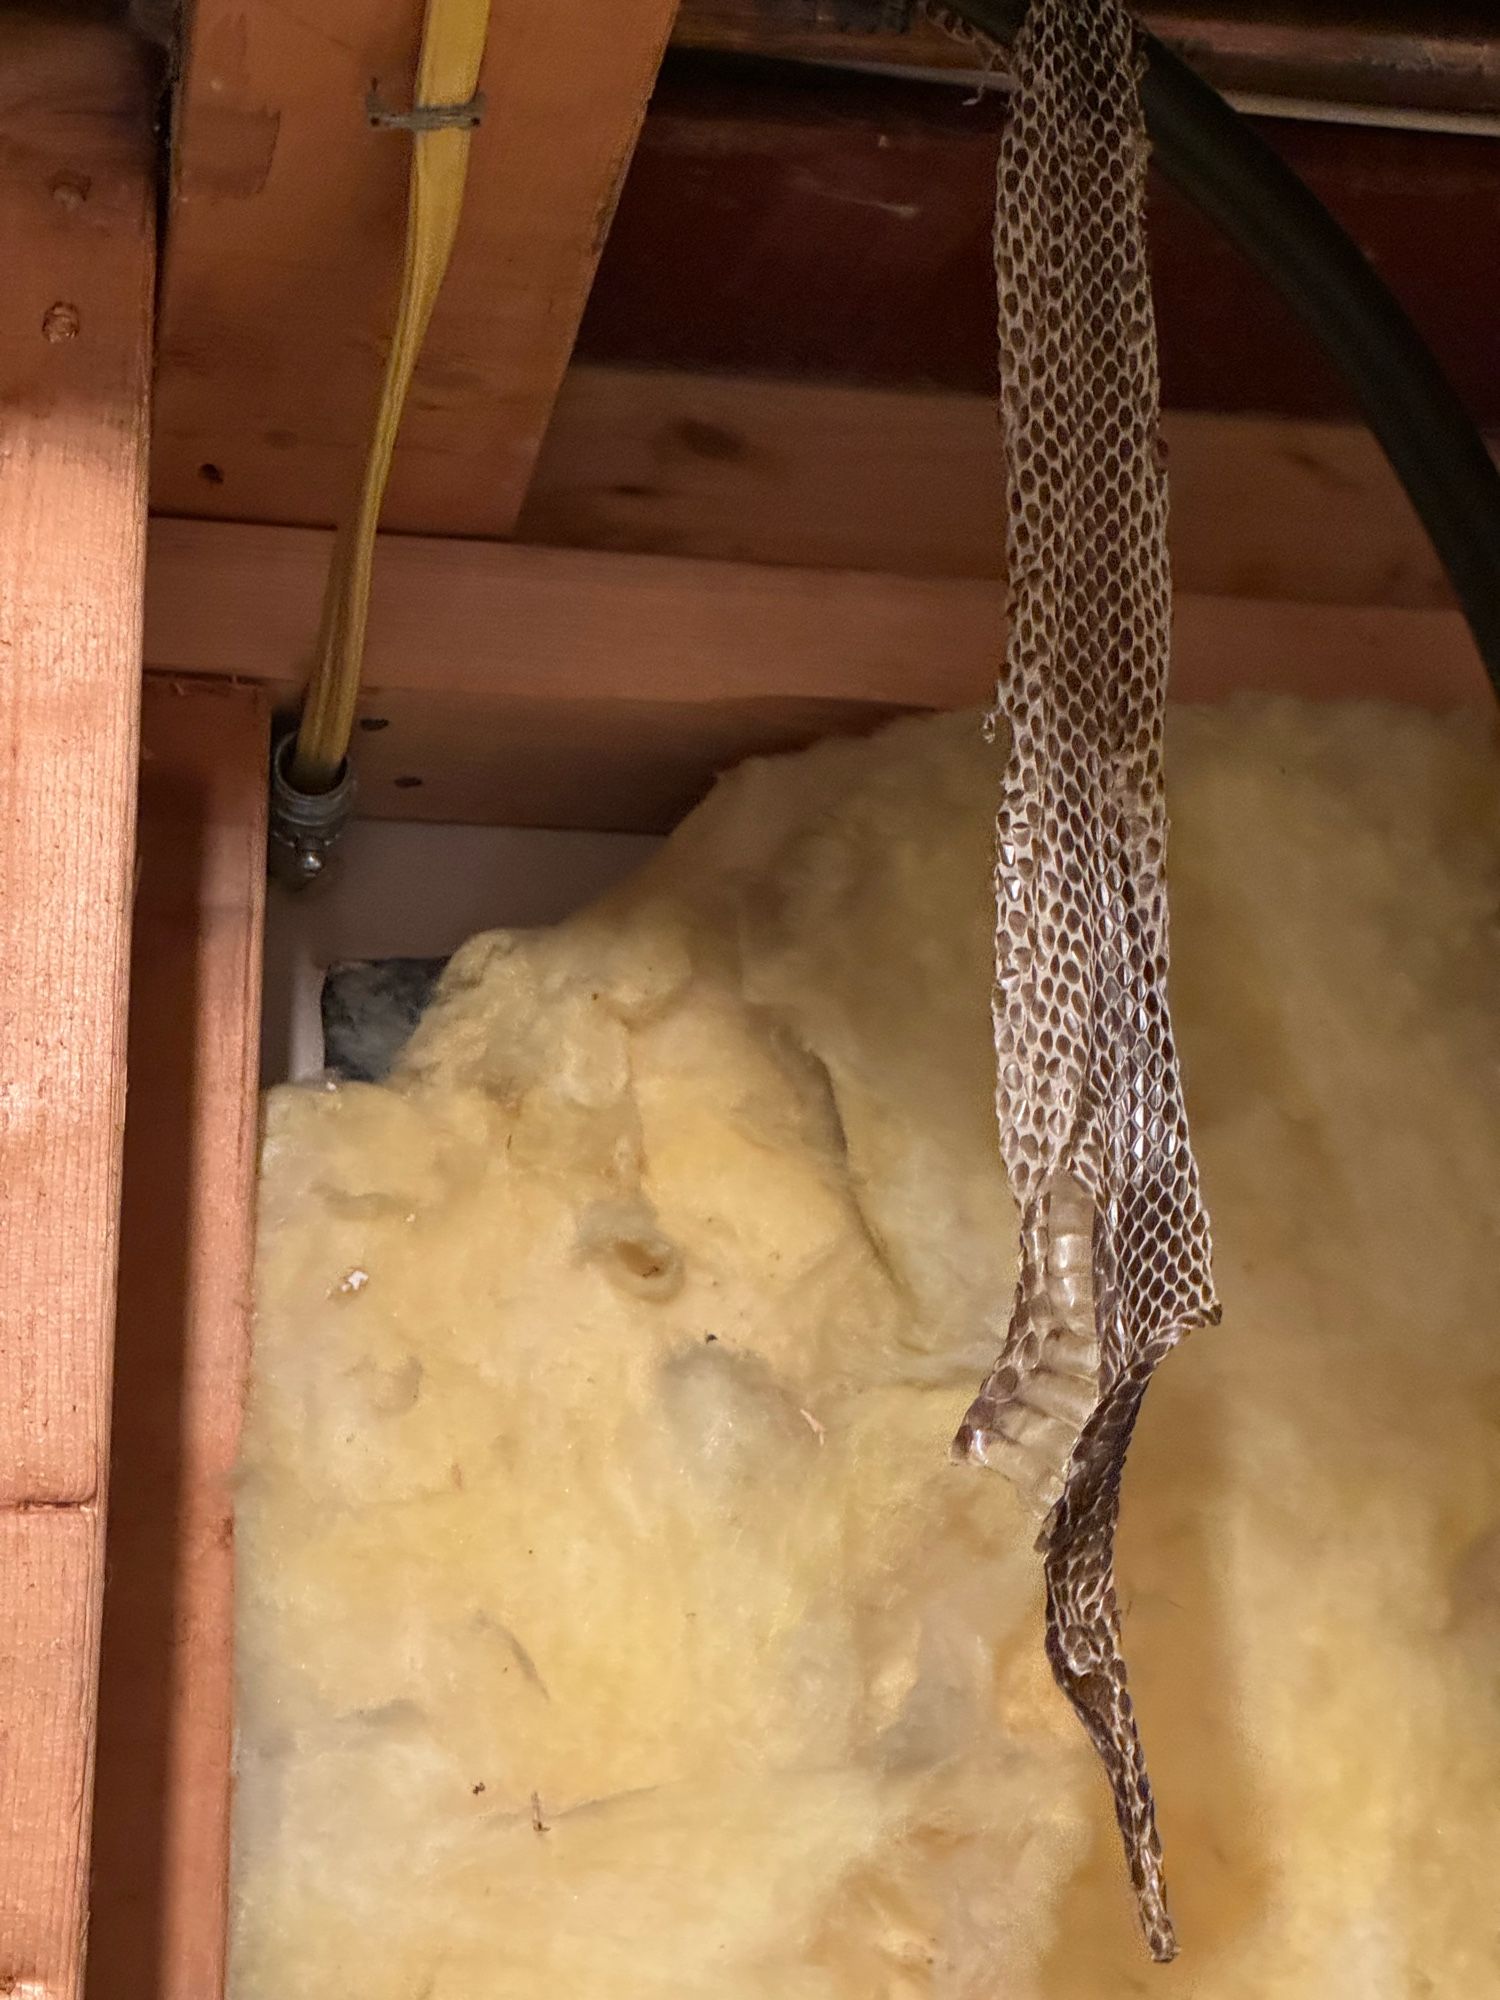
(614,1625)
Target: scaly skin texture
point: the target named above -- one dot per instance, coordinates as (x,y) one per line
(1115,1254)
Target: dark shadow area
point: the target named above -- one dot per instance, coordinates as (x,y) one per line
(144,1539)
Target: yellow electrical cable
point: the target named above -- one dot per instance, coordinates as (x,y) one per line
(453,38)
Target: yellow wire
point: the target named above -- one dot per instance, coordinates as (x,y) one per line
(448,74)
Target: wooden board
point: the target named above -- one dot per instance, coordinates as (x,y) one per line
(569,688)
(785,220)
(776,220)
(49,1584)
(285,244)
(76,217)
(161,1816)
(1357,56)
(753,469)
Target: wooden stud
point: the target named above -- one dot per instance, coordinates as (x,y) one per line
(161,1817)
(574,688)
(285,245)
(76,216)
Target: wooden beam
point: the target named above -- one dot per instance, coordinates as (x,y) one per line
(285,244)
(753,469)
(505,622)
(76,216)
(563,687)
(1364,56)
(777,221)
(790,221)
(161,1816)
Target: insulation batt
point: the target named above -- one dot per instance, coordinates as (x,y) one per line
(614,1625)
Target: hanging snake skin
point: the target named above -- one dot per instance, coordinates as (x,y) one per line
(1115,1256)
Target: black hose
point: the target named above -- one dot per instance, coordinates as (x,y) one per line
(1228,171)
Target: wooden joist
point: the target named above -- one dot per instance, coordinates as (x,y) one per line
(77,211)
(1351,56)
(753,469)
(776,220)
(161,1820)
(569,687)
(285,244)
(805,223)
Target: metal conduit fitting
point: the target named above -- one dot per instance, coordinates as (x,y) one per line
(304,825)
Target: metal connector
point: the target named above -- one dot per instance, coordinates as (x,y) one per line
(304,825)
(465,117)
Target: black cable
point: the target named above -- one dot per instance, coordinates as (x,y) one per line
(1228,172)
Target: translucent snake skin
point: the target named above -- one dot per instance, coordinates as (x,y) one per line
(1115,1255)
